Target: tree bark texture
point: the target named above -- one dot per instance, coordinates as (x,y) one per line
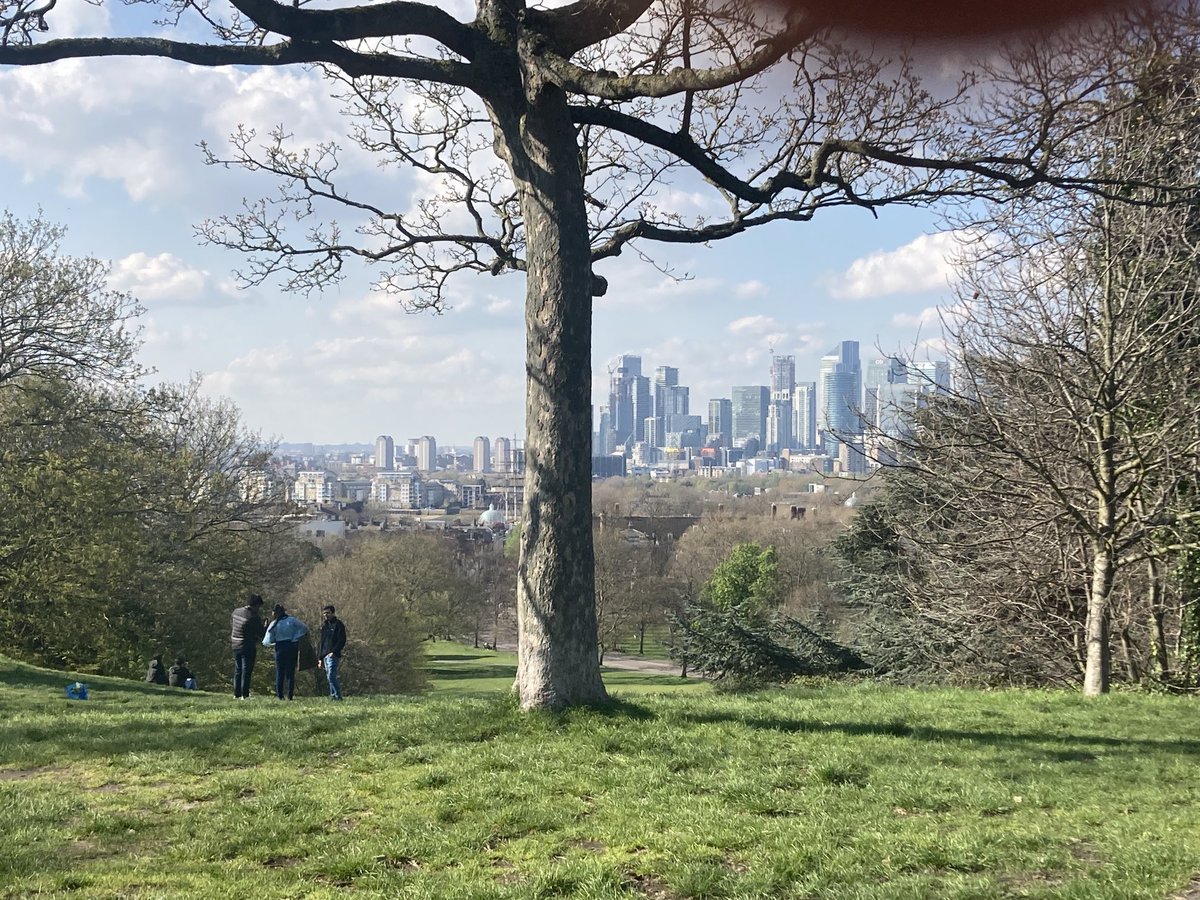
(1098,666)
(556,617)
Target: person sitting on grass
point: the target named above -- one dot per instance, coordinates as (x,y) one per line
(180,674)
(155,672)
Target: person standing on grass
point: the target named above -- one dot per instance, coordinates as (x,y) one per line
(329,654)
(246,630)
(284,635)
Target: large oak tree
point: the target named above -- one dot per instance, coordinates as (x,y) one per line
(548,137)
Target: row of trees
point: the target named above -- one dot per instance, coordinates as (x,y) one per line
(134,517)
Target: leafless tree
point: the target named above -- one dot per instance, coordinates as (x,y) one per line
(550,137)
(1073,441)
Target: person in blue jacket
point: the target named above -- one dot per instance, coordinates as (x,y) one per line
(284,634)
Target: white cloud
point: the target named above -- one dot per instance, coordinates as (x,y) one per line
(750,290)
(924,264)
(409,383)
(752,325)
(167,278)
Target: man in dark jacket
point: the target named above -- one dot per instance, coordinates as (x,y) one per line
(246,630)
(329,654)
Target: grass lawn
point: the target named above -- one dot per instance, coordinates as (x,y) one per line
(815,792)
(461,670)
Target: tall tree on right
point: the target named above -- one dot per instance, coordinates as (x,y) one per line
(1076,412)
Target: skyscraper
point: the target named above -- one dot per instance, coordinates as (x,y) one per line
(930,376)
(629,400)
(665,377)
(385,453)
(502,456)
(880,372)
(804,415)
(749,412)
(841,395)
(720,421)
(482,459)
(778,435)
(427,453)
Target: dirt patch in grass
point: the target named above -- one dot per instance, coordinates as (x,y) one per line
(26,774)
(1085,853)
(282,862)
(406,863)
(1191,892)
(1021,882)
(651,886)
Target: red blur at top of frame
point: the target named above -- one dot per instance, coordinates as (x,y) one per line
(937,21)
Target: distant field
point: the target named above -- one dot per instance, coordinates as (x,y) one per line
(462,670)
(820,791)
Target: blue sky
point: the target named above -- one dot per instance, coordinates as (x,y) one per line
(109,149)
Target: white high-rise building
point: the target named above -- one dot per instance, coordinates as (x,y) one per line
(385,453)
(502,456)
(482,458)
(427,453)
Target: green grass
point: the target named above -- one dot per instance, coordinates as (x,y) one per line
(815,792)
(459,670)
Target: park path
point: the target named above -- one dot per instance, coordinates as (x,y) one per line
(622,661)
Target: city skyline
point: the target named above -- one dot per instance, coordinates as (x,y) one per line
(120,168)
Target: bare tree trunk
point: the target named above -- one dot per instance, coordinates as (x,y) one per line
(1096,674)
(1158,615)
(558,663)
(1133,670)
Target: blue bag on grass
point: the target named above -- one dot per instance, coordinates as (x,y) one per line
(77,690)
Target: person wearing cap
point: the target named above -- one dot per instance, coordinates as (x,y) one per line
(284,634)
(246,630)
(329,654)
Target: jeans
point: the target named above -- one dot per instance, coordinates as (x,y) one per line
(243,668)
(331,668)
(286,654)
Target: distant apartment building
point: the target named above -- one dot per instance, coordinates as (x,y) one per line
(502,458)
(385,453)
(426,453)
(471,494)
(396,490)
(260,487)
(482,457)
(353,490)
(313,486)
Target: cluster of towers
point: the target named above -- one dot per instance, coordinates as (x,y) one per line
(422,454)
(816,417)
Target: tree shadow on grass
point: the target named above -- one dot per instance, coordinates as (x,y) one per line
(225,743)
(1056,746)
(438,673)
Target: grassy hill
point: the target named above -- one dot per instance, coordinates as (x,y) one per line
(815,792)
